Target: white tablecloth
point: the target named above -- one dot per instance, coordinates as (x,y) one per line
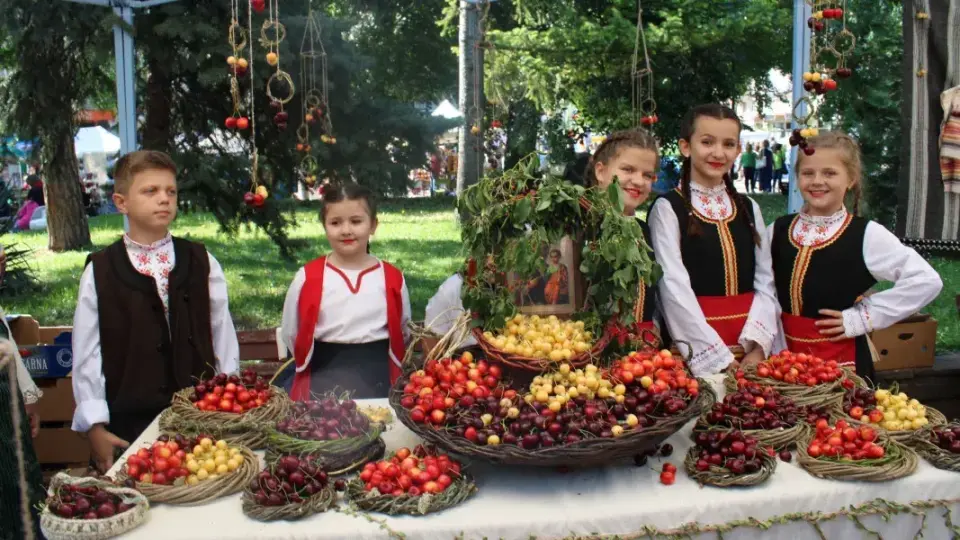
(517,503)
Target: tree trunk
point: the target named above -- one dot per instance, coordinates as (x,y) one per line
(66,217)
(156,131)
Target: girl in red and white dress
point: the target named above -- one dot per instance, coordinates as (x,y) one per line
(717,286)
(825,259)
(345,315)
(632,158)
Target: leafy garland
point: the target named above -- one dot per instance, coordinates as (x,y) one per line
(510,216)
(882,507)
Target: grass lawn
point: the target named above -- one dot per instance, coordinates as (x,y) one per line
(420,236)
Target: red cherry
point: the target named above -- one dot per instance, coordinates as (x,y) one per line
(830,84)
(258,200)
(808,150)
(243,123)
(230,122)
(248,198)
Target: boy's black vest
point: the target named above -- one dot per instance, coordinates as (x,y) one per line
(144,360)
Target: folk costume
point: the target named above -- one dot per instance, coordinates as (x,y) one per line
(347,329)
(717,289)
(645,306)
(26,394)
(150,320)
(830,263)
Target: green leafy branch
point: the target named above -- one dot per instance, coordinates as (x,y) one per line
(507,219)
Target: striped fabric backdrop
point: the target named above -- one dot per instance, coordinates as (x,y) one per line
(931,65)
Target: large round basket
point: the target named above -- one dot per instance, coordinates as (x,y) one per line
(340,464)
(822,395)
(460,490)
(55,527)
(778,438)
(721,477)
(321,502)
(205,491)
(928,450)
(244,429)
(538,365)
(589,452)
(340,449)
(898,462)
(905,436)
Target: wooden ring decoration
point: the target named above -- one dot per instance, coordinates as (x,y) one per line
(839,45)
(313,98)
(804,120)
(648,106)
(236,31)
(279,33)
(303,134)
(280,76)
(309,165)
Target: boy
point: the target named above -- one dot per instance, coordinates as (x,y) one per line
(151,317)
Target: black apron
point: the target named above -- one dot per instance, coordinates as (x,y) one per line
(11,523)
(361,368)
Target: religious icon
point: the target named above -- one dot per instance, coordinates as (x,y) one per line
(555,290)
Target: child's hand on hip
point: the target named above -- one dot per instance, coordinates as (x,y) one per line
(832,326)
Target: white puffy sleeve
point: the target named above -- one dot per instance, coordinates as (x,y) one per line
(89,384)
(290,320)
(763,319)
(224,334)
(681,311)
(915,283)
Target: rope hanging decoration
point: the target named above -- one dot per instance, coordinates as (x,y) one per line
(314,100)
(641,74)
(237,38)
(830,46)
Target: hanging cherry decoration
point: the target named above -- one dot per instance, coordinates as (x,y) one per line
(280,88)
(644,106)
(238,65)
(314,97)
(828,39)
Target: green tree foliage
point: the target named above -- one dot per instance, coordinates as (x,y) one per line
(380,133)
(53,55)
(868,105)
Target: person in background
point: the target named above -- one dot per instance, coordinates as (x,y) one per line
(779,166)
(34,200)
(765,167)
(748,163)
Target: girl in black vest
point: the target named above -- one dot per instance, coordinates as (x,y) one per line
(632,158)
(825,259)
(717,289)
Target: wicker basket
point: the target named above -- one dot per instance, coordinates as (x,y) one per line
(928,450)
(777,438)
(244,428)
(589,452)
(538,365)
(283,443)
(55,527)
(205,491)
(250,435)
(722,477)
(460,490)
(905,436)
(821,395)
(321,502)
(898,462)
(342,464)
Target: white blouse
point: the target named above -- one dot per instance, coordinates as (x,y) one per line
(445,307)
(28,388)
(677,301)
(155,260)
(353,308)
(915,282)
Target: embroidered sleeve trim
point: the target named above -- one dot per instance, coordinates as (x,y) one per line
(856,321)
(756,332)
(711,360)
